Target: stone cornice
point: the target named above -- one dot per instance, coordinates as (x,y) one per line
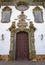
(13,3)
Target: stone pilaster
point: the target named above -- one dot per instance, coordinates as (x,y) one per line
(32,53)
(12,29)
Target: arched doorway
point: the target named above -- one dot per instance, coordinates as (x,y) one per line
(22,46)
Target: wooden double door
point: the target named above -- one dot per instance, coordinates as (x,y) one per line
(22,46)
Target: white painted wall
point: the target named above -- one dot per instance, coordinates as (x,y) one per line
(39,44)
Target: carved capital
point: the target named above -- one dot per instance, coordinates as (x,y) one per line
(32,28)
(12,28)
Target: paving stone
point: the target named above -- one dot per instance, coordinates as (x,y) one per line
(22,63)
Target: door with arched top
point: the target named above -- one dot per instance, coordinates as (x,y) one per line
(22,46)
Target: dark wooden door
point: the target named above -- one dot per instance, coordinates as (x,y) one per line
(22,48)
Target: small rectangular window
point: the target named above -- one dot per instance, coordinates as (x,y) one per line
(38,16)
(6,16)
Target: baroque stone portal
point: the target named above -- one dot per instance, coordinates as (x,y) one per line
(27,43)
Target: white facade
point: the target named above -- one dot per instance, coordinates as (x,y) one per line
(40,29)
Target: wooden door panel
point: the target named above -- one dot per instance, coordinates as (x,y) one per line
(22,46)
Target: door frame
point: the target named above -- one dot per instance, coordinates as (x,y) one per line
(30,31)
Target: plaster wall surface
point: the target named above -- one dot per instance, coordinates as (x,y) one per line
(40,29)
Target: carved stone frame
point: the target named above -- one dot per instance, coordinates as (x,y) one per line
(30,31)
(16,31)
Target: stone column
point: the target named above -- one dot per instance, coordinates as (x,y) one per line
(12,29)
(32,53)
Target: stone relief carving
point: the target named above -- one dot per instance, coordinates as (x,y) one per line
(22,24)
